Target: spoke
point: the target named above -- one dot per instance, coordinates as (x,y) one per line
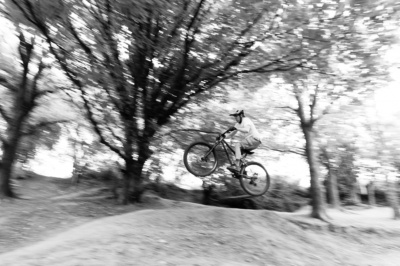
(201,160)
(255,179)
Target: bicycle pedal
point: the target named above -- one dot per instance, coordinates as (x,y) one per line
(233,170)
(235,176)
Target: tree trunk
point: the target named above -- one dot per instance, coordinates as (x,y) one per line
(333,192)
(5,176)
(133,180)
(371,193)
(137,185)
(143,156)
(393,198)
(23,104)
(208,190)
(354,197)
(75,167)
(7,161)
(127,175)
(144,153)
(317,202)
(11,142)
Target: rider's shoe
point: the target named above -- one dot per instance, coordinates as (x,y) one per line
(233,169)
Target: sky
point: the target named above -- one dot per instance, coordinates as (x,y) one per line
(388,99)
(55,163)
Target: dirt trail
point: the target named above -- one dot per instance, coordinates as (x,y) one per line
(177,233)
(44,211)
(363,219)
(165,232)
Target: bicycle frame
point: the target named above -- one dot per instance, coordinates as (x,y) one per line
(250,174)
(224,144)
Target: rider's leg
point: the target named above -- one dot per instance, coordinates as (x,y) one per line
(247,143)
(238,155)
(237,158)
(250,143)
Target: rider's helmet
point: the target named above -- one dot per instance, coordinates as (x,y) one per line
(236,112)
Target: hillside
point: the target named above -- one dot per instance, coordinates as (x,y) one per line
(177,233)
(59,225)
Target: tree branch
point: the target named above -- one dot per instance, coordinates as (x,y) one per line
(213,82)
(3,81)
(314,69)
(96,126)
(2,141)
(304,121)
(113,134)
(325,112)
(235,43)
(294,110)
(179,19)
(35,93)
(302,153)
(195,16)
(73,76)
(4,115)
(314,102)
(81,43)
(191,130)
(259,69)
(33,128)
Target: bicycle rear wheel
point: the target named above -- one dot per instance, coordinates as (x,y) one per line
(254,179)
(200,159)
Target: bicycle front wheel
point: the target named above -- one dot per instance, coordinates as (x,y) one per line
(200,159)
(254,179)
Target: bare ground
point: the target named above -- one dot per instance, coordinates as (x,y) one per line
(60,225)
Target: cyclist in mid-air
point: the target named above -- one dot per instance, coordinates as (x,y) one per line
(251,140)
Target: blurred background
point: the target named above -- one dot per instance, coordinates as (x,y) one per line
(115,92)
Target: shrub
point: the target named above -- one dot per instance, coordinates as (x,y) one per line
(283,196)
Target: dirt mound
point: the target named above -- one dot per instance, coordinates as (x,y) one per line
(190,234)
(359,221)
(40,187)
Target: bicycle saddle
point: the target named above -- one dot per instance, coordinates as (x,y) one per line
(247,152)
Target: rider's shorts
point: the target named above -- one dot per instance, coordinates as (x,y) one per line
(250,143)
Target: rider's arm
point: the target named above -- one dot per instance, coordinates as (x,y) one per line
(232,134)
(244,127)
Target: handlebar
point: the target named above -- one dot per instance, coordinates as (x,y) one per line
(222,135)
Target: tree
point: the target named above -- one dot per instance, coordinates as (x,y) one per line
(345,66)
(347,173)
(82,150)
(385,151)
(23,91)
(136,64)
(328,160)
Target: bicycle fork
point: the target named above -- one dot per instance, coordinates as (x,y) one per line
(253,178)
(204,158)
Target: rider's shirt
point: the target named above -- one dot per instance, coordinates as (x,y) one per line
(247,127)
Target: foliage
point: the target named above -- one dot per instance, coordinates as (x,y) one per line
(23,92)
(346,171)
(104,174)
(344,68)
(135,65)
(144,71)
(41,127)
(45,137)
(284,196)
(169,190)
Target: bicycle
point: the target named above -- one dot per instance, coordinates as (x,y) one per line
(200,159)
